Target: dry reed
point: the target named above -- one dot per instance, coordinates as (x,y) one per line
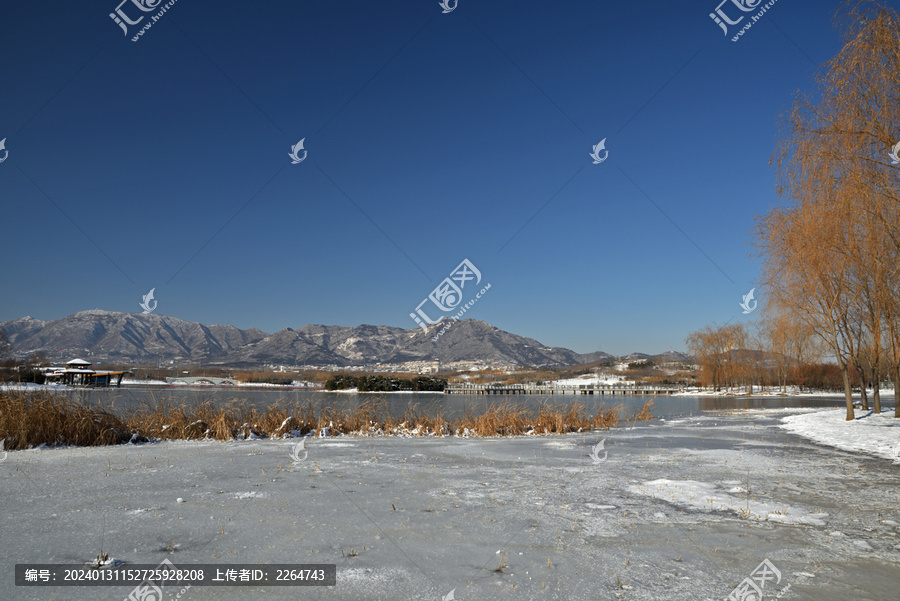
(31,419)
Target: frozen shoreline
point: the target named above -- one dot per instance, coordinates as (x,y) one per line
(791,392)
(678,509)
(877,435)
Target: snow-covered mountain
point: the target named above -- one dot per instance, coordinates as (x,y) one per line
(107,336)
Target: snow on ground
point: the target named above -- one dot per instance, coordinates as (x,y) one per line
(595,379)
(681,509)
(792,391)
(875,434)
(709,497)
(32,386)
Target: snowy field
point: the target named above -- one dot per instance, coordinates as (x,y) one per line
(683,509)
(595,380)
(792,391)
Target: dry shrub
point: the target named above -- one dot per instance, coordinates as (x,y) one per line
(373,416)
(507,420)
(497,420)
(556,419)
(31,419)
(644,414)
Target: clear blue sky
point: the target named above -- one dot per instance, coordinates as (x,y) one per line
(164,163)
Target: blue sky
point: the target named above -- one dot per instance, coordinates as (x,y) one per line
(431,138)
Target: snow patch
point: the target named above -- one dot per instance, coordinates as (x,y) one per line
(559,445)
(250,495)
(706,497)
(873,434)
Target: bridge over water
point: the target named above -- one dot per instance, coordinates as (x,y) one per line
(202,381)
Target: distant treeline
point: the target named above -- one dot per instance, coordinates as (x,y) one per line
(385,383)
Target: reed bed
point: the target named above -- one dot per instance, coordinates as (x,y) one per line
(31,419)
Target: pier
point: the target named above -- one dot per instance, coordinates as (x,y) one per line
(550,389)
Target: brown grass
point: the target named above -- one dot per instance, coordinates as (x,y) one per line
(644,414)
(31,419)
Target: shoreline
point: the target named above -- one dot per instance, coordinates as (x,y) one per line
(886,394)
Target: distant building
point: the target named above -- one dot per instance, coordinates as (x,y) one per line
(78,372)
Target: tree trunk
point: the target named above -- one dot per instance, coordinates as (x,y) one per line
(848,392)
(876,395)
(897,391)
(863,395)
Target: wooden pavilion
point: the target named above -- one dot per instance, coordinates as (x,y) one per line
(78,372)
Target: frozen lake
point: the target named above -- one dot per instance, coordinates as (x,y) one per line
(682,508)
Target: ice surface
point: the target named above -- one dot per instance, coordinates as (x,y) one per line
(680,510)
(708,497)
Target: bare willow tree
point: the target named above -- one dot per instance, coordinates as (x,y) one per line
(788,343)
(717,350)
(830,252)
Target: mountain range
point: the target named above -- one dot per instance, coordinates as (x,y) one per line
(113,337)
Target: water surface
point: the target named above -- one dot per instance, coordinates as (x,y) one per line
(453,406)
